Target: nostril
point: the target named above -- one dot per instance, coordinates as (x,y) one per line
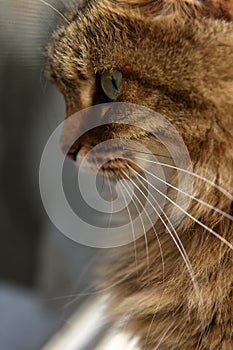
(72,151)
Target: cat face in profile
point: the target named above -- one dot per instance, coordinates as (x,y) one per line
(175,58)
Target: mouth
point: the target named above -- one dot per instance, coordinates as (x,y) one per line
(114,161)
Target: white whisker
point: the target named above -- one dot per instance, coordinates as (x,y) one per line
(55,10)
(152,225)
(110,218)
(189,215)
(144,230)
(176,240)
(228,216)
(181,245)
(161,254)
(133,232)
(211,183)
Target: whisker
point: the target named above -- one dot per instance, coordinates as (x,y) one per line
(228,216)
(133,232)
(102,188)
(182,247)
(162,258)
(177,242)
(56,10)
(211,183)
(143,152)
(144,230)
(109,184)
(189,215)
(156,234)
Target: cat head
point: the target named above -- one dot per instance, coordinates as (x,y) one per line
(173,57)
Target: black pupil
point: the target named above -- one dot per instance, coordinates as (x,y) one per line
(114,83)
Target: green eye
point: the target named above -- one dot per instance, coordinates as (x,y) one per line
(111,84)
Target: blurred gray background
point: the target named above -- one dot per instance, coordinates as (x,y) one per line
(44,276)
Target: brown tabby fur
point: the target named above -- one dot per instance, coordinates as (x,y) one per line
(176,58)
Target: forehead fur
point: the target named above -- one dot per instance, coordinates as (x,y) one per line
(160,50)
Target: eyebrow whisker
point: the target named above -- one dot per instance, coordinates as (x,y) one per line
(56,10)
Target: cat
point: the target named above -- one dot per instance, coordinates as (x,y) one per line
(175,58)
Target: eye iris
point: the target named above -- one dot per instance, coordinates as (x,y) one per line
(111,84)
